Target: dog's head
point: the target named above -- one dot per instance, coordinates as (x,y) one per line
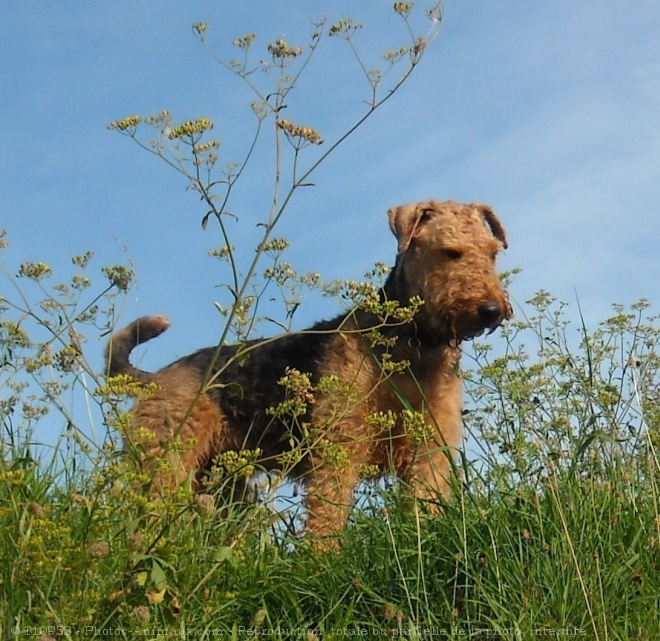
(447,255)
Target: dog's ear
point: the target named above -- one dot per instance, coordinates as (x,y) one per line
(493,222)
(405,221)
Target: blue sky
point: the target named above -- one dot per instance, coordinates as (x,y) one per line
(548,111)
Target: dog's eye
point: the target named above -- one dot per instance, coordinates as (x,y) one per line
(451,254)
(427,214)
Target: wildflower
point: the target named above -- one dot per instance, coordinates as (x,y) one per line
(416,427)
(367,472)
(200,29)
(141,613)
(80,282)
(135,540)
(99,550)
(296,131)
(80,499)
(419,46)
(37,510)
(237,462)
(163,116)
(82,260)
(13,334)
(155,597)
(289,458)
(335,454)
(34,271)
(245,41)
(382,421)
(205,504)
(403,8)
(33,412)
(119,275)
(280,273)
(392,612)
(344,28)
(116,387)
(130,122)
(281,49)
(395,56)
(207,146)
(221,252)
(274,245)
(67,358)
(260,109)
(190,128)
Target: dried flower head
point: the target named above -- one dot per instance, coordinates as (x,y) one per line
(245,41)
(403,8)
(99,550)
(163,116)
(281,49)
(205,504)
(395,55)
(303,133)
(344,28)
(200,28)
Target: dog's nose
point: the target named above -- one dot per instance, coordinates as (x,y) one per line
(489,313)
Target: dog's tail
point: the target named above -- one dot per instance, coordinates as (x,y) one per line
(122,343)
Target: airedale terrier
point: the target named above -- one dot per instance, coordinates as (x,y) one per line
(220,402)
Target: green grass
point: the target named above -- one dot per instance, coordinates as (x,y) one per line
(582,555)
(553,529)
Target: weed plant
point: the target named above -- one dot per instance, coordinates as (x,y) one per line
(553,529)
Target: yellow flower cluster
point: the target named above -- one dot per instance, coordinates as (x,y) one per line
(13,334)
(122,385)
(382,421)
(335,454)
(119,275)
(390,366)
(44,359)
(220,252)
(281,49)
(296,131)
(367,472)
(190,128)
(207,146)
(35,271)
(416,427)
(299,395)
(333,385)
(289,458)
(242,462)
(127,123)
(274,245)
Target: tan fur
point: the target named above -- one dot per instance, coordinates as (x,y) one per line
(447,257)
